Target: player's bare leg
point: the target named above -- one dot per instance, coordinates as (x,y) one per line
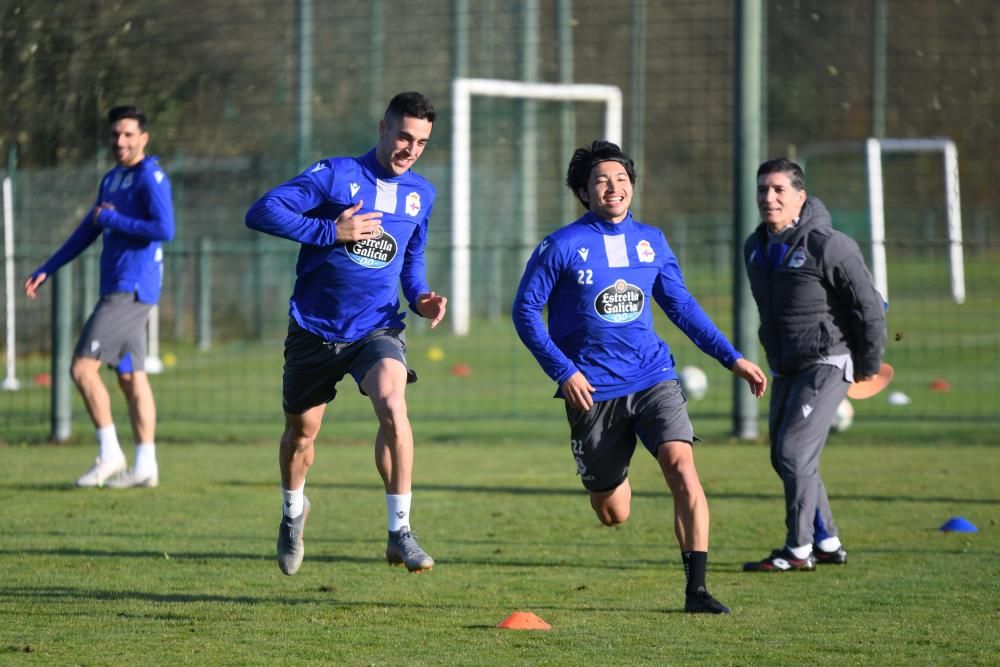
(110,461)
(296,453)
(295,456)
(141,405)
(86,373)
(691,518)
(385,384)
(613,507)
(142,414)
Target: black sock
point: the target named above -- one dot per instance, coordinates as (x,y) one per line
(695,565)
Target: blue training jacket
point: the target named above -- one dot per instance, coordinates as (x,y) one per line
(345,290)
(142,219)
(597,279)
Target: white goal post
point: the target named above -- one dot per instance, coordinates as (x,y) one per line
(10,381)
(873,149)
(462,91)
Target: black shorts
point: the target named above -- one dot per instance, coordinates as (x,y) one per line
(313,366)
(603,438)
(115,333)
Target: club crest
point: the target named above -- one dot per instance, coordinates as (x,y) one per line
(413,203)
(798,258)
(645,251)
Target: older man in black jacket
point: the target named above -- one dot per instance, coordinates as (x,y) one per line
(822,325)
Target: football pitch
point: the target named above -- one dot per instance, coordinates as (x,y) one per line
(186,574)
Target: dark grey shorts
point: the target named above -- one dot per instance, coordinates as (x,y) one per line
(115,333)
(313,366)
(603,438)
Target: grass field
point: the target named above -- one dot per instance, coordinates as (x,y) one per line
(232,390)
(185,574)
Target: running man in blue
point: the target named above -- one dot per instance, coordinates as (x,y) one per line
(133,215)
(362,222)
(597,276)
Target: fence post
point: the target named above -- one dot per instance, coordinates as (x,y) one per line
(204,315)
(61,408)
(89,284)
(257,284)
(747,95)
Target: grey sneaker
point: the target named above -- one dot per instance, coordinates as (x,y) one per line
(127,479)
(101,471)
(291,548)
(402,549)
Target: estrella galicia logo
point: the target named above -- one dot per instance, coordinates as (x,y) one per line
(620,302)
(374,253)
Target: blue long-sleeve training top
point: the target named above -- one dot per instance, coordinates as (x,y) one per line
(346,290)
(142,218)
(597,279)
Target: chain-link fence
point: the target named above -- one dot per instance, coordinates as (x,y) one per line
(241,95)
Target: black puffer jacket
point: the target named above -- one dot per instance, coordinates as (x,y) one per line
(819,300)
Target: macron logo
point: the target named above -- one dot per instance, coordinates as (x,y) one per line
(320,166)
(542,247)
(806,410)
(583,253)
(354,189)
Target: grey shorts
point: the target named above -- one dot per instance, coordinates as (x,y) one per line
(115,333)
(603,438)
(313,366)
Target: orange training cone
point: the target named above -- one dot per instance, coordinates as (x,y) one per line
(523,620)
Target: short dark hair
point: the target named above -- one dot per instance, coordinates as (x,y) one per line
(127,111)
(584,160)
(410,104)
(782,165)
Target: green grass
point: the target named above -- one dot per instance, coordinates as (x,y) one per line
(185,574)
(231,391)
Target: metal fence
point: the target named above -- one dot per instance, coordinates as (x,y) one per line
(257,90)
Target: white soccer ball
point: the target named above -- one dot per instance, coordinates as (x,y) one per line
(694,382)
(843,417)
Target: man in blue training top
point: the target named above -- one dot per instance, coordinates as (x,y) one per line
(362,222)
(134,215)
(617,376)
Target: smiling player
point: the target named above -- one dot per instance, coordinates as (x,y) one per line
(597,276)
(134,216)
(362,222)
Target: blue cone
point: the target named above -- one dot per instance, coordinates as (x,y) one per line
(959,524)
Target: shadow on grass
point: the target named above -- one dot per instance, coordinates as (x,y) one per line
(42,486)
(331,559)
(65,594)
(492,560)
(36,593)
(636,493)
(529,491)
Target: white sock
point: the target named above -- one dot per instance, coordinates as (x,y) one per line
(398,509)
(802,551)
(107,442)
(293,502)
(145,458)
(830,544)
